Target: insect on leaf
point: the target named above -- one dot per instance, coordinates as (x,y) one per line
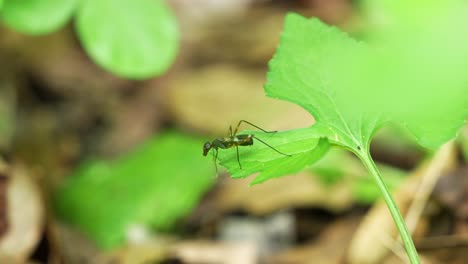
(354,88)
(415,78)
(304,145)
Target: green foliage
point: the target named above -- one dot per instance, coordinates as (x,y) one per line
(310,68)
(365,190)
(322,69)
(135,39)
(416,81)
(411,73)
(305,146)
(338,166)
(37,17)
(419,68)
(405,15)
(152,187)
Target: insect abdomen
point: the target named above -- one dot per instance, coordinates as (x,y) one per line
(245,140)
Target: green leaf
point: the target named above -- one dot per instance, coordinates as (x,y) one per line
(152,187)
(311,68)
(367,192)
(422,83)
(339,165)
(37,17)
(414,81)
(391,14)
(1,4)
(134,39)
(304,145)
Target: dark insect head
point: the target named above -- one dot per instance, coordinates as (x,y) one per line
(206,148)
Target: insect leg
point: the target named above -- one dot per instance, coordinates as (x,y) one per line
(245,121)
(238,160)
(215,158)
(272,147)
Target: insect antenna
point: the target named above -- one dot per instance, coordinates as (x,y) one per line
(272,147)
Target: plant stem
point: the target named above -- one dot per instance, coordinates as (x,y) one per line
(394,211)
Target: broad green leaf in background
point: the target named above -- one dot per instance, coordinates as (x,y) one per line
(365,191)
(37,17)
(419,68)
(404,15)
(134,39)
(152,187)
(339,166)
(304,146)
(1,4)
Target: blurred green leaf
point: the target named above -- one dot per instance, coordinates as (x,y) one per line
(304,145)
(365,190)
(37,17)
(134,39)
(338,166)
(152,187)
(419,69)
(403,14)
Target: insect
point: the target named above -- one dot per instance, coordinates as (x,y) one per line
(234,140)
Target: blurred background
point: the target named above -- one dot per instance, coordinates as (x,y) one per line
(101,135)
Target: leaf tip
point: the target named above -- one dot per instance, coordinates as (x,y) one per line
(258,179)
(292,16)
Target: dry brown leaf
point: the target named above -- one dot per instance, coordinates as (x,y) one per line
(24,215)
(328,248)
(249,39)
(208,252)
(212,98)
(75,248)
(452,192)
(298,190)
